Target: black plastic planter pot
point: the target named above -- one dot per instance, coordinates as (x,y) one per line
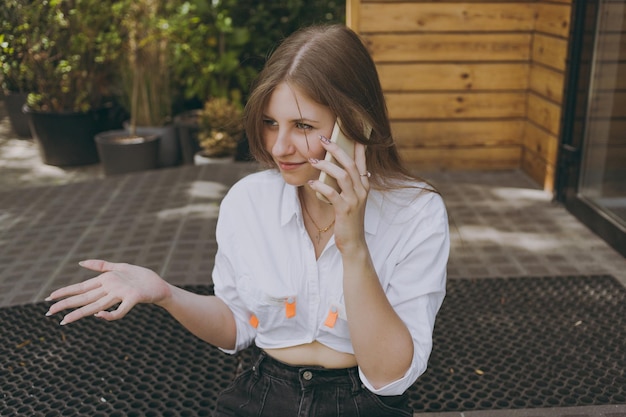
(121,153)
(67,138)
(14,102)
(187,125)
(169,148)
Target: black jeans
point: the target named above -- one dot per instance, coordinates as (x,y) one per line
(274,389)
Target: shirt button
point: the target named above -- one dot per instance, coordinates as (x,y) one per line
(307,375)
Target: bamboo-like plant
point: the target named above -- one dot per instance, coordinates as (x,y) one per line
(146,78)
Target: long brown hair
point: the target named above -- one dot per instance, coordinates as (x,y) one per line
(331,65)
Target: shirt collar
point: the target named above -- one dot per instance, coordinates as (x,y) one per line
(290,208)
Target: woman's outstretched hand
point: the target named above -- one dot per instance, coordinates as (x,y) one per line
(120,283)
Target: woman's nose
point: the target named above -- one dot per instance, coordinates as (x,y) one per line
(283,144)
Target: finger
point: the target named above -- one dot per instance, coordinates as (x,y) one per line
(327,191)
(74,289)
(340,175)
(340,155)
(123,309)
(99,265)
(359,160)
(90,309)
(348,165)
(78,300)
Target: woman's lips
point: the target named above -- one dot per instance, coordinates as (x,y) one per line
(290,166)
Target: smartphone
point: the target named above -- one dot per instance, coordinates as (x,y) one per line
(337,136)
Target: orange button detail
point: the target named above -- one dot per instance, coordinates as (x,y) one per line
(290,307)
(331,319)
(254,321)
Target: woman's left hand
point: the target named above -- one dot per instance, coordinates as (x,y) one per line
(349,203)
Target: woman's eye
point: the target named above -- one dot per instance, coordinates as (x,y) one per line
(303,126)
(269,122)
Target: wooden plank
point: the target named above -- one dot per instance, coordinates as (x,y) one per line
(449,47)
(450,1)
(454,1)
(456,106)
(458,133)
(547,82)
(538,169)
(608,104)
(613,16)
(560,1)
(611,47)
(353,14)
(607,132)
(454,76)
(606,155)
(610,75)
(549,51)
(447,17)
(463,158)
(616,136)
(544,113)
(541,143)
(615,158)
(553,19)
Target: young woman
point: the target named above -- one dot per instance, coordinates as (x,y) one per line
(341,298)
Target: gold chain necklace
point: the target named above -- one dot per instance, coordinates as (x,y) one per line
(319,230)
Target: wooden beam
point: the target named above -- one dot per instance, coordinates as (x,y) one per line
(547,82)
(353,18)
(456,105)
(553,19)
(447,17)
(458,133)
(449,47)
(453,76)
(463,158)
(550,51)
(541,142)
(544,113)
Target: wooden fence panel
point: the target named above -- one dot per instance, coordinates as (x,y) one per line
(471,84)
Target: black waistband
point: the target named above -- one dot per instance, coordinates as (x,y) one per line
(306,376)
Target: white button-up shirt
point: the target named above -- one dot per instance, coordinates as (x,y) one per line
(281,296)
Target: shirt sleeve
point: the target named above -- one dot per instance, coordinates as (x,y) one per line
(225,278)
(416,291)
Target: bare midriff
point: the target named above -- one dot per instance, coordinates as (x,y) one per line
(315,354)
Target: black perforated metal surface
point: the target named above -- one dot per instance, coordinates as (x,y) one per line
(527,343)
(499,344)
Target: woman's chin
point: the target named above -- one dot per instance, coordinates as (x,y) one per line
(298,179)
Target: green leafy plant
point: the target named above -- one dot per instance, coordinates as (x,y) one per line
(73,48)
(207,47)
(220,127)
(16,76)
(219,46)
